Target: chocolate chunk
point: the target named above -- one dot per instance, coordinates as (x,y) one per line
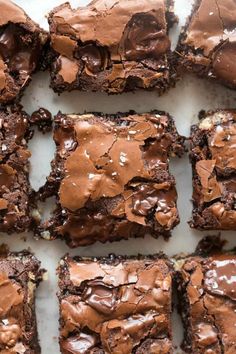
(111,177)
(207,290)
(43,119)
(21,46)
(15,189)
(207,45)
(19,276)
(115,47)
(214,164)
(115,305)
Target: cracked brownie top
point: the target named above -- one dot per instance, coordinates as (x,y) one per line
(208,43)
(111,176)
(214,165)
(112,46)
(115,305)
(207,288)
(20,274)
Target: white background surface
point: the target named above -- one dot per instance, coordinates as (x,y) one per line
(183,102)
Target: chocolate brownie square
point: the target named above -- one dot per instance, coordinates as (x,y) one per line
(21,50)
(207,44)
(213,157)
(111,177)
(14,170)
(115,305)
(20,274)
(112,46)
(207,290)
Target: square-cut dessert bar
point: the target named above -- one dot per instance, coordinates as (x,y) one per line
(20,274)
(207,44)
(115,305)
(21,46)
(213,157)
(112,46)
(111,177)
(207,290)
(14,170)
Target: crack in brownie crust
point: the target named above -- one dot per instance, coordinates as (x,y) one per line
(115,305)
(14,170)
(208,303)
(207,45)
(112,46)
(111,176)
(19,276)
(214,169)
(21,47)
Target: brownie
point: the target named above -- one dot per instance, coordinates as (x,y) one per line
(21,50)
(112,46)
(14,170)
(213,158)
(207,44)
(115,305)
(207,291)
(20,274)
(111,177)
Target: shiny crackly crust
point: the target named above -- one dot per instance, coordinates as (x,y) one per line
(64,128)
(73,298)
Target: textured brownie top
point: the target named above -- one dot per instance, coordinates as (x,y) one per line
(115,305)
(21,42)
(214,166)
(19,275)
(112,173)
(209,40)
(101,44)
(14,183)
(209,308)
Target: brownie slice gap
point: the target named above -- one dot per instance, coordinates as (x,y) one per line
(115,304)
(207,45)
(111,177)
(213,158)
(20,274)
(113,46)
(22,50)
(207,292)
(15,189)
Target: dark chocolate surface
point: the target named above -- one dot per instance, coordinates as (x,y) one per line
(115,305)
(207,288)
(14,170)
(208,43)
(112,46)
(21,46)
(111,177)
(214,166)
(19,276)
